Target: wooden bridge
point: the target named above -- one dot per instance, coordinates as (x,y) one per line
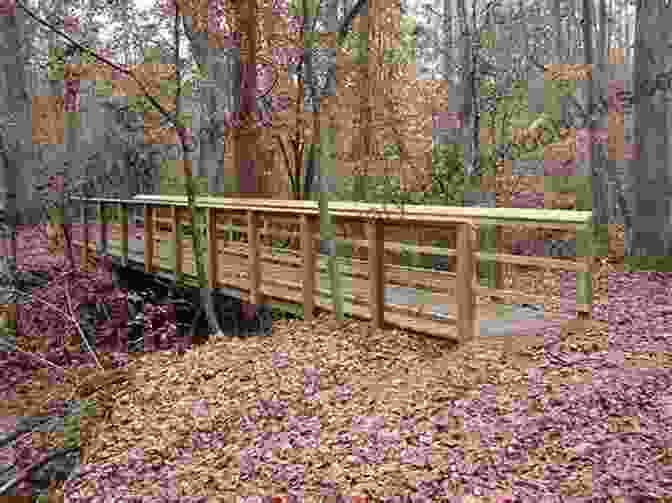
(263,274)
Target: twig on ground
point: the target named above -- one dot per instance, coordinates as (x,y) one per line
(79,327)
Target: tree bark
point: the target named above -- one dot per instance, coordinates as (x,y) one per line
(649,175)
(215,96)
(207,304)
(560,56)
(246,138)
(365,125)
(17,153)
(593,163)
(322,165)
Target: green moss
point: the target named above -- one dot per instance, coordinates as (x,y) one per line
(656,264)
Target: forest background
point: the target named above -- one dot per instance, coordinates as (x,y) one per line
(400,137)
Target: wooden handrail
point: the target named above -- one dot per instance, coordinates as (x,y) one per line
(538,218)
(375,216)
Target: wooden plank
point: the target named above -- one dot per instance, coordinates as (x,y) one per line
(212,247)
(359,295)
(308,251)
(361,211)
(354,299)
(398,248)
(466,301)
(242,255)
(548,263)
(394,274)
(404,276)
(509,294)
(441,329)
(363,301)
(433,328)
(418,312)
(107,200)
(164,224)
(374,229)
(149,239)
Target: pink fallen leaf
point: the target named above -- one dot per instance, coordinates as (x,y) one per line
(7,7)
(71,24)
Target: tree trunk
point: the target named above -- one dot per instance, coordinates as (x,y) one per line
(215,96)
(323,169)
(604,31)
(649,175)
(469,95)
(211,148)
(246,137)
(365,85)
(593,163)
(448,39)
(17,152)
(207,304)
(560,56)
(442,134)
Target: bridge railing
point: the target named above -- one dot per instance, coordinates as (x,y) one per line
(171,211)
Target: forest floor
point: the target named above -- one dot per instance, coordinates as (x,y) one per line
(328,408)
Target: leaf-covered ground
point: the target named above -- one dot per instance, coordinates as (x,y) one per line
(325,409)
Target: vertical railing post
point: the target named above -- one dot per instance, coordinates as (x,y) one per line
(253,251)
(124,233)
(229,231)
(212,247)
(267,240)
(499,268)
(176,245)
(149,238)
(490,270)
(466,302)
(584,279)
(308,250)
(374,231)
(84,260)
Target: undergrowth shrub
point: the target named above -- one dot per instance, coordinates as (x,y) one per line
(447,188)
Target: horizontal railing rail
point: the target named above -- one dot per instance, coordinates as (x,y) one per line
(375,216)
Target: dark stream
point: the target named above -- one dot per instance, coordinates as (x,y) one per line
(235,317)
